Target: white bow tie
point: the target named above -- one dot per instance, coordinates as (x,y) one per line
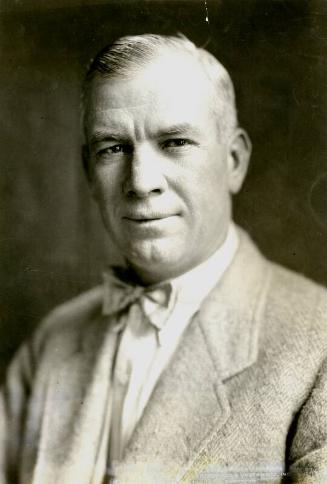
(120,294)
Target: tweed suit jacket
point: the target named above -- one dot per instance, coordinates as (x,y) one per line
(242,400)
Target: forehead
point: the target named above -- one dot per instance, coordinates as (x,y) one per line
(172,87)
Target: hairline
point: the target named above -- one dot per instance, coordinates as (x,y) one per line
(224,107)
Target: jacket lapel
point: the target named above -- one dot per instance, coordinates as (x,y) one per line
(189,406)
(186,404)
(231,315)
(231,318)
(75,406)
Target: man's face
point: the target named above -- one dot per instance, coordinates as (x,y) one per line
(160,168)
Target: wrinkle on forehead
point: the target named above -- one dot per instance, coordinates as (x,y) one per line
(175,117)
(169,72)
(130,107)
(169,91)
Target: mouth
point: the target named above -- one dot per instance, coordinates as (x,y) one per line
(153,220)
(144,220)
(141,219)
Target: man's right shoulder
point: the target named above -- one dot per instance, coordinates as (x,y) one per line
(67,324)
(85,305)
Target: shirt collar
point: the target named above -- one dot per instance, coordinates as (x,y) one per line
(194,285)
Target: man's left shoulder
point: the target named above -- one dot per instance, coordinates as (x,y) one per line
(296,310)
(293,292)
(289,293)
(291,307)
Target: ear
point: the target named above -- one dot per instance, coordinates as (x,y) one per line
(240,148)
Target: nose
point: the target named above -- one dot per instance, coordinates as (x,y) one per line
(145,175)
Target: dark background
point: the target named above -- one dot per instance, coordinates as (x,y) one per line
(52,242)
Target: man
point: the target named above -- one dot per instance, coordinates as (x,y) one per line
(198,361)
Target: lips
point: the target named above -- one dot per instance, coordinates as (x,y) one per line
(150,226)
(146,217)
(144,220)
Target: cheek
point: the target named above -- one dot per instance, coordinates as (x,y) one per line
(205,183)
(105,195)
(104,186)
(210,200)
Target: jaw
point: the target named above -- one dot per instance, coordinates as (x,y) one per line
(158,260)
(154,260)
(149,254)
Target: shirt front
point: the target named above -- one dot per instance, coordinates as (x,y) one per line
(145,349)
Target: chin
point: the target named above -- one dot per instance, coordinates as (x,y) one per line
(153,257)
(149,252)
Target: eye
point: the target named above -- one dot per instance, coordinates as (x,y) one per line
(176,143)
(113,150)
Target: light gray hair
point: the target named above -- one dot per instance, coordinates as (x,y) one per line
(130,54)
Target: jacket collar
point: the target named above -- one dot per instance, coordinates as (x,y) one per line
(231,314)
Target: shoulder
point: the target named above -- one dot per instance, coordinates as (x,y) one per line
(76,310)
(298,304)
(287,289)
(291,287)
(293,315)
(294,307)
(294,293)
(63,330)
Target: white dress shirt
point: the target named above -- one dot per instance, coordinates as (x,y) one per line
(144,350)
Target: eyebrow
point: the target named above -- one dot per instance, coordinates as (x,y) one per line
(100,136)
(177,129)
(117,135)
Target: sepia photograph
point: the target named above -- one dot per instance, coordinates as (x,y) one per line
(163,245)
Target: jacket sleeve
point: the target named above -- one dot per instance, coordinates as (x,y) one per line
(13,405)
(308,454)
(22,396)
